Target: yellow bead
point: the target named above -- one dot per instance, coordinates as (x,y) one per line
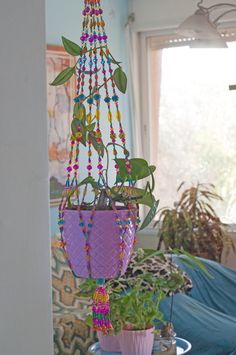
(89,118)
(78,135)
(98,114)
(81,113)
(109,116)
(118,115)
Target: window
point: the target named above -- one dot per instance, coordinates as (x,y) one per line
(195,118)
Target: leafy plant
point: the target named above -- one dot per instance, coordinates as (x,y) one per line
(75,50)
(84,127)
(135,299)
(192,224)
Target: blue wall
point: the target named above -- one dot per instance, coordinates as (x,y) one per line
(63,17)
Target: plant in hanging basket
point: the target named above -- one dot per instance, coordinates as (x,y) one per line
(98,217)
(98,235)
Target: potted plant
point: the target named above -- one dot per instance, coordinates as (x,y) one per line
(135,299)
(98,217)
(193,224)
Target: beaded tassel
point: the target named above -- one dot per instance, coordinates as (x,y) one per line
(101,309)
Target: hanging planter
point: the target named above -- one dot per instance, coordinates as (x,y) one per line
(103,244)
(98,218)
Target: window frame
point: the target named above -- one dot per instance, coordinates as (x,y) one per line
(147,91)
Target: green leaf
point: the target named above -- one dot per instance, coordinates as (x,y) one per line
(91,127)
(147,199)
(151,254)
(89,320)
(151,214)
(89,180)
(74,126)
(120,79)
(80,112)
(141,196)
(71,47)
(186,262)
(84,135)
(63,77)
(139,169)
(196,262)
(95,144)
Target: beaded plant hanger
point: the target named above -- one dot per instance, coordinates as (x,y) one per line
(97,84)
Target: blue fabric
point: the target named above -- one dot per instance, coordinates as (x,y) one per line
(207,315)
(218,292)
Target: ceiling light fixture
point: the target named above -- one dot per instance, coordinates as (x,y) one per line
(203,27)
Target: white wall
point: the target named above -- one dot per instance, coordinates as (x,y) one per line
(25,307)
(153,14)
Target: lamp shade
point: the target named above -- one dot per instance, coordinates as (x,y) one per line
(199,26)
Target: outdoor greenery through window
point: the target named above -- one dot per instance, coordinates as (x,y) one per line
(197,124)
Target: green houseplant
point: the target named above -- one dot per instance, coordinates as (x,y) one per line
(99,209)
(135,299)
(84,126)
(192,224)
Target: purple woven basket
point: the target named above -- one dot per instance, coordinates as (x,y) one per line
(104,241)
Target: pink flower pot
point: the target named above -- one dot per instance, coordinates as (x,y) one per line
(104,242)
(109,343)
(137,342)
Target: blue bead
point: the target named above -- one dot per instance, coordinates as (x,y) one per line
(81,224)
(109,60)
(103,61)
(61,223)
(90,101)
(97,97)
(107,99)
(76,99)
(115,98)
(119,222)
(81,96)
(90,225)
(127,222)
